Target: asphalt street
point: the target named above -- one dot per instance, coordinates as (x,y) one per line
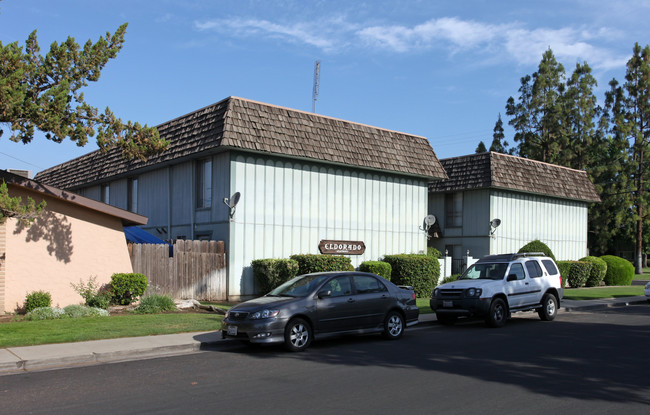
(593,361)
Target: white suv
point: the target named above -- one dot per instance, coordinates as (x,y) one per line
(498,285)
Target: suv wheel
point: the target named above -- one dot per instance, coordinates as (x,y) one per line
(498,313)
(549,307)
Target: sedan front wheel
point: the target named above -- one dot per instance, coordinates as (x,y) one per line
(297,335)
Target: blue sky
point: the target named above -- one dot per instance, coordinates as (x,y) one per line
(439,69)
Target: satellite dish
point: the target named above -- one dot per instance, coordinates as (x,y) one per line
(232,202)
(495,223)
(429,220)
(235,199)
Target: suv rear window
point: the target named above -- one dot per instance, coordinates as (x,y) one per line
(534,270)
(550,266)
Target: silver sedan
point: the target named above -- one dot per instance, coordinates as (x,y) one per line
(323,304)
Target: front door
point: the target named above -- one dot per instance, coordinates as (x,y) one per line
(338,311)
(517,289)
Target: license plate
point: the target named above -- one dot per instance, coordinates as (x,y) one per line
(447,303)
(232,330)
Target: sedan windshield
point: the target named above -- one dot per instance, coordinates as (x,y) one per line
(484,272)
(300,286)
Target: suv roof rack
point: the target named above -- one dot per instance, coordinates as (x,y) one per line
(509,257)
(525,254)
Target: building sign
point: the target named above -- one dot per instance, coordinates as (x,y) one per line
(342,247)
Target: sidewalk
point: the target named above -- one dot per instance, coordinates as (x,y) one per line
(56,356)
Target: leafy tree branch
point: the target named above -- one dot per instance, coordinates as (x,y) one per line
(44,93)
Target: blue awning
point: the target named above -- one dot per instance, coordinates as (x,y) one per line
(139,236)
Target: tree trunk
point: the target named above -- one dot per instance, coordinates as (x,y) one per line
(638,263)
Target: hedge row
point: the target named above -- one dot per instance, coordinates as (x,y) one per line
(574,273)
(597,273)
(619,271)
(419,271)
(308,263)
(271,273)
(592,271)
(381,268)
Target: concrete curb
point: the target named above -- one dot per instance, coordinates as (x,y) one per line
(58,356)
(604,305)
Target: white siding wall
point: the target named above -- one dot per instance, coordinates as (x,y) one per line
(561,224)
(288,207)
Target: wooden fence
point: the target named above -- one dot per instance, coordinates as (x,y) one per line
(196,270)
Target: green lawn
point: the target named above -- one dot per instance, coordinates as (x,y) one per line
(602,292)
(27,333)
(423,305)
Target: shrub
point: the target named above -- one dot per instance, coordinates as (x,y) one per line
(37,299)
(619,271)
(383,269)
(308,263)
(565,268)
(578,273)
(450,278)
(537,246)
(46,313)
(419,271)
(93,294)
(126,288)
(431,251)
(271,273)
(78,311)
(155,303)
(598,271)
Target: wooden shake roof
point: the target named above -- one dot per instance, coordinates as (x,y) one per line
(240,124)
(502,171)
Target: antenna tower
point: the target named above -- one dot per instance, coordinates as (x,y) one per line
(314,94)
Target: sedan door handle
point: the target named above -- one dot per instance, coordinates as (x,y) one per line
(351,300)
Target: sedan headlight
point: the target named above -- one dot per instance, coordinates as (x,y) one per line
(436,292)
(264,314)
(473,292)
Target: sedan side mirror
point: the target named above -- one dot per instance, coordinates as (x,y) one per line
(512,277)
(324,294)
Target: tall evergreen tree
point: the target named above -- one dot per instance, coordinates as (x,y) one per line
(481,148)
(538,115)
(499,144)
(581,111)
(629,105)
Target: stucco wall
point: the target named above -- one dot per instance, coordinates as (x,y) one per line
(66,244)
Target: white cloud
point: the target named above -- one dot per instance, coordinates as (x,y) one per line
(512,41)
(491,43)
(295,33)
(461,34)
